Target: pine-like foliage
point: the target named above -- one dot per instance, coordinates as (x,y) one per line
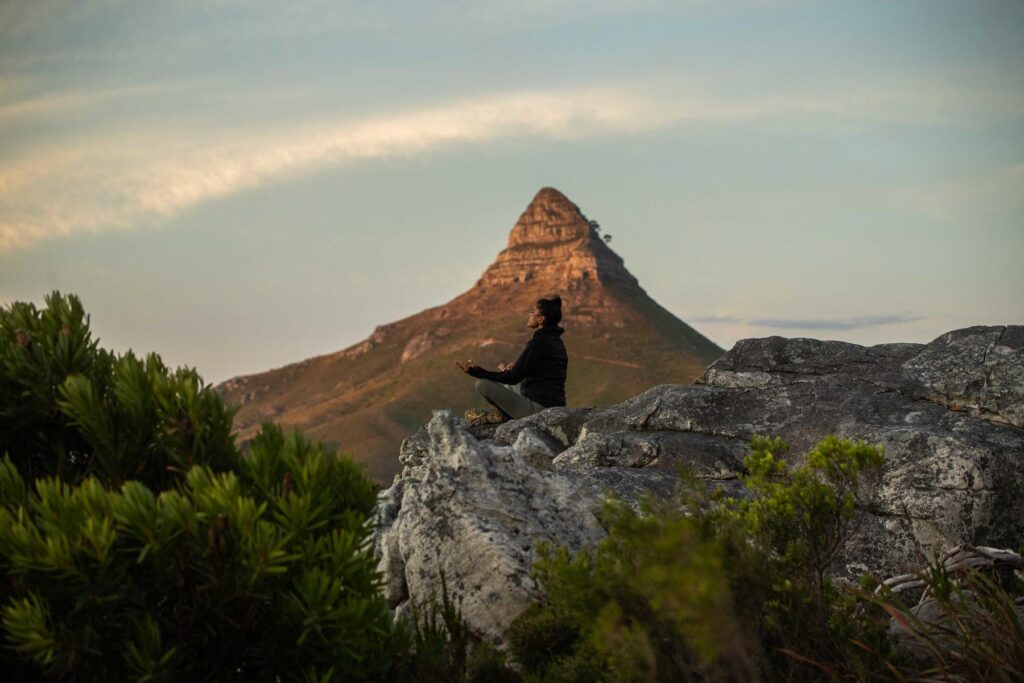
(251,575)
(71,409)
(136,543)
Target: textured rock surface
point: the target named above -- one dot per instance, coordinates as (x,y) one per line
(475,510)
(552,242)
(947,414)
(979,369)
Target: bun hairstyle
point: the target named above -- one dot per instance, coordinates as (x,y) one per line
(551,308)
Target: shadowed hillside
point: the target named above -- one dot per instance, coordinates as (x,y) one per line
(367,398)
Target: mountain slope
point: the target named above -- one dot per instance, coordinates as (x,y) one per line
(367,398)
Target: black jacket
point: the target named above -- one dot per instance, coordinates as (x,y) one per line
(540,370)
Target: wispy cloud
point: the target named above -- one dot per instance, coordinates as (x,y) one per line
(136,178)
(826,324)
(714,319)
(125,181)
(841,324)
(212,173)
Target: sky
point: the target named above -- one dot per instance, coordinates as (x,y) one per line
(241,185)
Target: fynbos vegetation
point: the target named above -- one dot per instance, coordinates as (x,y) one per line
(73,410)
(739,590)
(138,543)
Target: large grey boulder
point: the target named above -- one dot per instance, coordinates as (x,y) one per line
(952,475)
(475,511)
(948,414)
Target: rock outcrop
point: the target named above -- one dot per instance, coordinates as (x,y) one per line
(978,369)
(948,415)
(475,511)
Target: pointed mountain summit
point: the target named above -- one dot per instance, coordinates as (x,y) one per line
(554,244)
(367,398)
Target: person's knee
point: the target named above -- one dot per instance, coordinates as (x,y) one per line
(481,386)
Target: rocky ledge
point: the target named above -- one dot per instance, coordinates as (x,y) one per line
(950,415)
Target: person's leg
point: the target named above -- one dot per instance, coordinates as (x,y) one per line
(506,400)
(517,388)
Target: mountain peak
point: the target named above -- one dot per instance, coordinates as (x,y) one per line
(553,244)
(372,395)
(550,217)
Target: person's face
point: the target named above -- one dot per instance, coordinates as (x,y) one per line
(534,319)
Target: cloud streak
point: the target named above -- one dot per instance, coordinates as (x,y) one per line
(825,324)
(137,178)
(129,180)
(230,168)
(835,324)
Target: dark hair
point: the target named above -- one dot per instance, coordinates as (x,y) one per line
(551,308)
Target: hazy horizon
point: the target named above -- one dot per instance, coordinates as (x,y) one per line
(239,186)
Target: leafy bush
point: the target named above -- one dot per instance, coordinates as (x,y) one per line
(258,573)
(796,523)
(72,410)
(709,589)
(137,542)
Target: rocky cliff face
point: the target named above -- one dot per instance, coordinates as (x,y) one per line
(554,246)
(365,399)
(949,415)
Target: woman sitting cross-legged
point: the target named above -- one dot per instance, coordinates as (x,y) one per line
(536,380)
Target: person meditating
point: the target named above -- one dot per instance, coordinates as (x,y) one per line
(535,381)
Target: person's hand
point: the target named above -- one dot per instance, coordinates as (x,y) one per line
(502,367)
(465,368)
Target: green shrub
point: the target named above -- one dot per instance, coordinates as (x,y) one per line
(137,543)
(780,545)
(488,665)
(544,634)
(704,589)
(73,410)
(254,574)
